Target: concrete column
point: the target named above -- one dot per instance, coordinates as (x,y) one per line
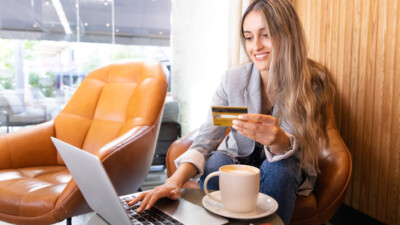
(199,43)
(19,68)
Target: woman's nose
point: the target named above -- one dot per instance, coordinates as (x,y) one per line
(257,44)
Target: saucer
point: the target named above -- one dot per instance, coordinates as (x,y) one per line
(266,206)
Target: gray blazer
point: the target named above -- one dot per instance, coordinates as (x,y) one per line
(240,86)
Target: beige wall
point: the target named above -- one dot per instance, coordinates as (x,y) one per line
(359,41)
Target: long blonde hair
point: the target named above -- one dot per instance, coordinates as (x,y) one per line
(300,87)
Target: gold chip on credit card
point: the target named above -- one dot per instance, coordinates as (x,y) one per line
(223,115)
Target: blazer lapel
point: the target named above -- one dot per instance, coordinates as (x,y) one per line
(252,98)
(253,92)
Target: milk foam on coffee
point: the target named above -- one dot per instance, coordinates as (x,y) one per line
(239,170)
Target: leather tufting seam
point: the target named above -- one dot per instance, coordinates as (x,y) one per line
(97,104)
(75,115)
(46,173)
(115,121)
(12,152)
(129,140)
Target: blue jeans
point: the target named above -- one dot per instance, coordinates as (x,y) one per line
(278,180)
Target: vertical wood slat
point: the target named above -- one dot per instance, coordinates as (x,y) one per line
(354,88)
(335,36)
(338,76)
(359,41)
(396,111)
(369,11)
(371,142)
(393,166)
(377,119)
(323,31)
(345,95)
(381,95)
(311,22)
(335,42)
(361,149)
(328,33)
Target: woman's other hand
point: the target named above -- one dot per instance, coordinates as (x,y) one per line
(263,129)
(169,189)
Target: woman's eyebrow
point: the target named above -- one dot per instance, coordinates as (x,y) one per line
(261,29)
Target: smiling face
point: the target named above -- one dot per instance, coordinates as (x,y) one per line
(257,41)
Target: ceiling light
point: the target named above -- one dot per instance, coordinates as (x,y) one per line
(117,30)
(61,16)
(107,24)
(86,24)
(47,3)
(76,5)
(160,32)
(35,25)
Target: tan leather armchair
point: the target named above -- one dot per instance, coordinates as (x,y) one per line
(114,114)
(330,188)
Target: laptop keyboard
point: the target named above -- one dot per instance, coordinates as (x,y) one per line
(147,217)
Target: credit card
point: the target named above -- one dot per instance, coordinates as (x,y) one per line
(224,115)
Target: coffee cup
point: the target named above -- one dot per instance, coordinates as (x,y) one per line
(239,186)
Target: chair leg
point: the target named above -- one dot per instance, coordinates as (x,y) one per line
(69,221)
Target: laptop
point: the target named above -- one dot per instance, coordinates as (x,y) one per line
(97,189)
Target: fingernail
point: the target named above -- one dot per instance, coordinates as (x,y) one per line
(240,117)
(234,127)
(235,122)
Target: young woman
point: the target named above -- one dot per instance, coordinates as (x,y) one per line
(287,96)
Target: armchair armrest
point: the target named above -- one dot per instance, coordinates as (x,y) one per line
(178,148)
(6,117)
(28,147)
(44,108)
(39,110)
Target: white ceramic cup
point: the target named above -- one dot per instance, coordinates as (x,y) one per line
(239,186)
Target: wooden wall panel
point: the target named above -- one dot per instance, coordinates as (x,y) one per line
(359,42)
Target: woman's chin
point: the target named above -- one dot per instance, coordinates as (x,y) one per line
(262,67)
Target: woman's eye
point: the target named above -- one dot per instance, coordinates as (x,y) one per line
(265,35)
(247,38)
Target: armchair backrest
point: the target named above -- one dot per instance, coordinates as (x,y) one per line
(335,166)
(10,102)
(111,101)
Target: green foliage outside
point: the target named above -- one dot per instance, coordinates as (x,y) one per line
(92,57)
(45,83)
(7,79)
(29,54)
(6,64)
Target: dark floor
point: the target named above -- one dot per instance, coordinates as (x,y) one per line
(349,216)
